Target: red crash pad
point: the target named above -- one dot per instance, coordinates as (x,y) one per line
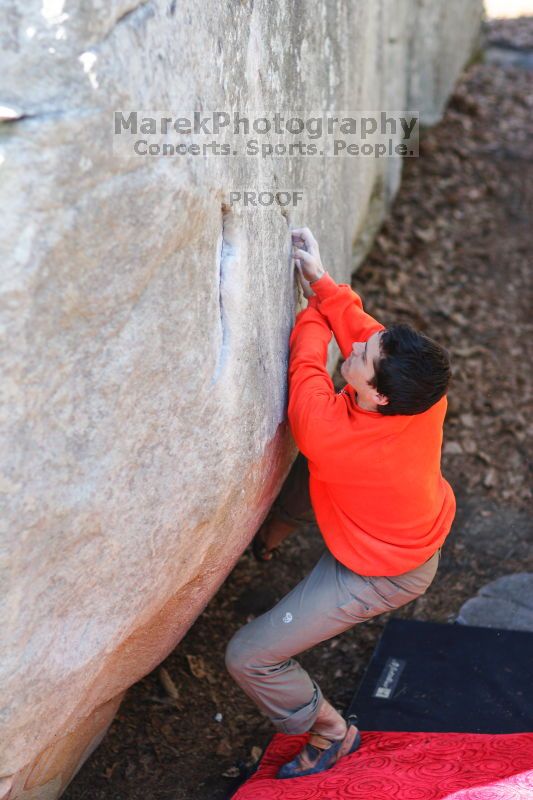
(405,766)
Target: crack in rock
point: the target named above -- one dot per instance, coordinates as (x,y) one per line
(145,9)
(227,254)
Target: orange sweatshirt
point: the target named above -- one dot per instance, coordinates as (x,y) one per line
(376,487)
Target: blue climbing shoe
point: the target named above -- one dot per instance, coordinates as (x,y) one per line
(321,753)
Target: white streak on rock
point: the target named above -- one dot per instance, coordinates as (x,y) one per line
(7,113)
(88,60)
(52,11)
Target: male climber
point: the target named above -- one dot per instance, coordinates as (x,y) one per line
(370,455)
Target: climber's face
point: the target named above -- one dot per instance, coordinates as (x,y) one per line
(358,370)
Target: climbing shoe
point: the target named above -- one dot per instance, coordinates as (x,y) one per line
(321,753)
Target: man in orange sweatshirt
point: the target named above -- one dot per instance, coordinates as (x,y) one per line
(372,452)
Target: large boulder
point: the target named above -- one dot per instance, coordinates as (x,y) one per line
(146,320)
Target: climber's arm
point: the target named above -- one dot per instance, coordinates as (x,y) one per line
(338,303)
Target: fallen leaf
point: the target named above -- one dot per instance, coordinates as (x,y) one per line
(490,478)
(232,772)
(197,666)
(427,235)
(468,352)
(255,754)
(224,748)
(469,446)
(452,449)
(168,684)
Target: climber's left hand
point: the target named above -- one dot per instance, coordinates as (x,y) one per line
(306,254)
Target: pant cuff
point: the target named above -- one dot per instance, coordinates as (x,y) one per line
(302,720)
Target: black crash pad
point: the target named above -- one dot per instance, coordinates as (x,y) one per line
(429,677)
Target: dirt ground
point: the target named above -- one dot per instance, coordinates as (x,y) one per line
(453,259)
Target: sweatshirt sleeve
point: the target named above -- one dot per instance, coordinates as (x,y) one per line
(312,397)
(343,309)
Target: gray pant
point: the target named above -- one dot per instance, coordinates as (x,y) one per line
(327,602)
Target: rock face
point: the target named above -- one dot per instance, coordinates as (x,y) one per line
(146,321)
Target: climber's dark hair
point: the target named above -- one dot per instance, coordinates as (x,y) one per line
(413,371)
